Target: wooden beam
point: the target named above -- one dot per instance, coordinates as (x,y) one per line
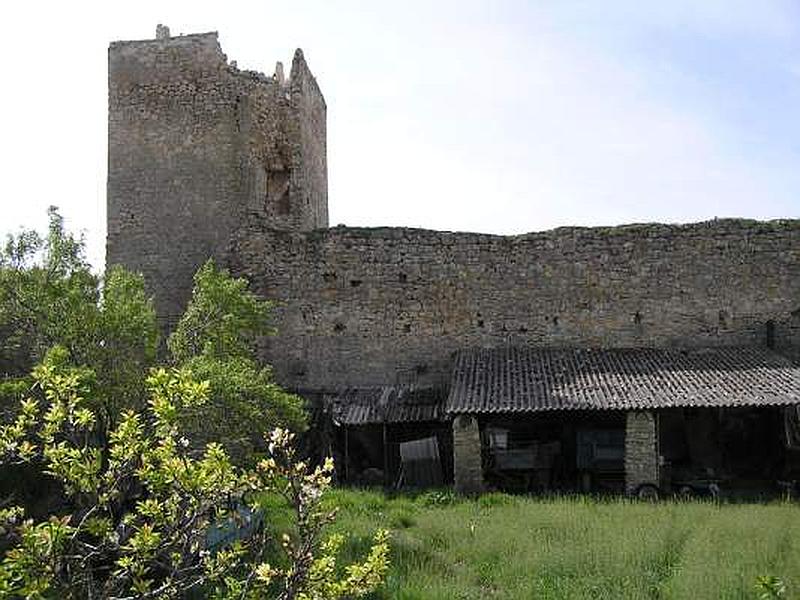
(346,454)
(385,457)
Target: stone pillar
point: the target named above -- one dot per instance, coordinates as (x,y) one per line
(467,467)
(641,450)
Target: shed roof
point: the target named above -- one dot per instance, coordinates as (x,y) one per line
(389,404)
(529,379)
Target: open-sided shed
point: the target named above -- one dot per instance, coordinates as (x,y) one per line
(379,428)
(710,399)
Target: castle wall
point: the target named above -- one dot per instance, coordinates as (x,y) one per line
(387,305)
(195,145)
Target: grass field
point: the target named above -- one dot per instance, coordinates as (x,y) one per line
(514,547)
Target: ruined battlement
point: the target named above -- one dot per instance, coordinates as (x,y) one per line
(179,57)
(163,57)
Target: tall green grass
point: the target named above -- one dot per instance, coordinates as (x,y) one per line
(502,546)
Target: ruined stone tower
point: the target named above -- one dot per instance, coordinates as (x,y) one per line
(196,147)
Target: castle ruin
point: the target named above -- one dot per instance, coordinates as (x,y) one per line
(206,160)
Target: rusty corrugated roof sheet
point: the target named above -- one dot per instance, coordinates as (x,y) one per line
(529,379)
(391,404)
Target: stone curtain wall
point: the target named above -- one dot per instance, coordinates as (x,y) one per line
(195,145)
(390,305)
(641,450)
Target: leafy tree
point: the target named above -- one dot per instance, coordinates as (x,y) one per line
(216,340)
(224,319)
(48,295)
(144,461)
(123,345)
(146,506)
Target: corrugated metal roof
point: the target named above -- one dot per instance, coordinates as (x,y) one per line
(528,379)
(395,404)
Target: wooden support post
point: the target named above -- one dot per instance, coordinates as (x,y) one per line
(347,454)
(385,457)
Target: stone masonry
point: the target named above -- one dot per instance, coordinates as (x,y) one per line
(641,450)
(195,146)
(468,469)
(206,160)
(390,305)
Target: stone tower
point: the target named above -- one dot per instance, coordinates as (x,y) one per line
(196,147)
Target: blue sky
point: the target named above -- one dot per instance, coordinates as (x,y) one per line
(494,116)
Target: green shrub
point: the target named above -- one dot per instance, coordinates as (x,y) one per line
(151,517)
